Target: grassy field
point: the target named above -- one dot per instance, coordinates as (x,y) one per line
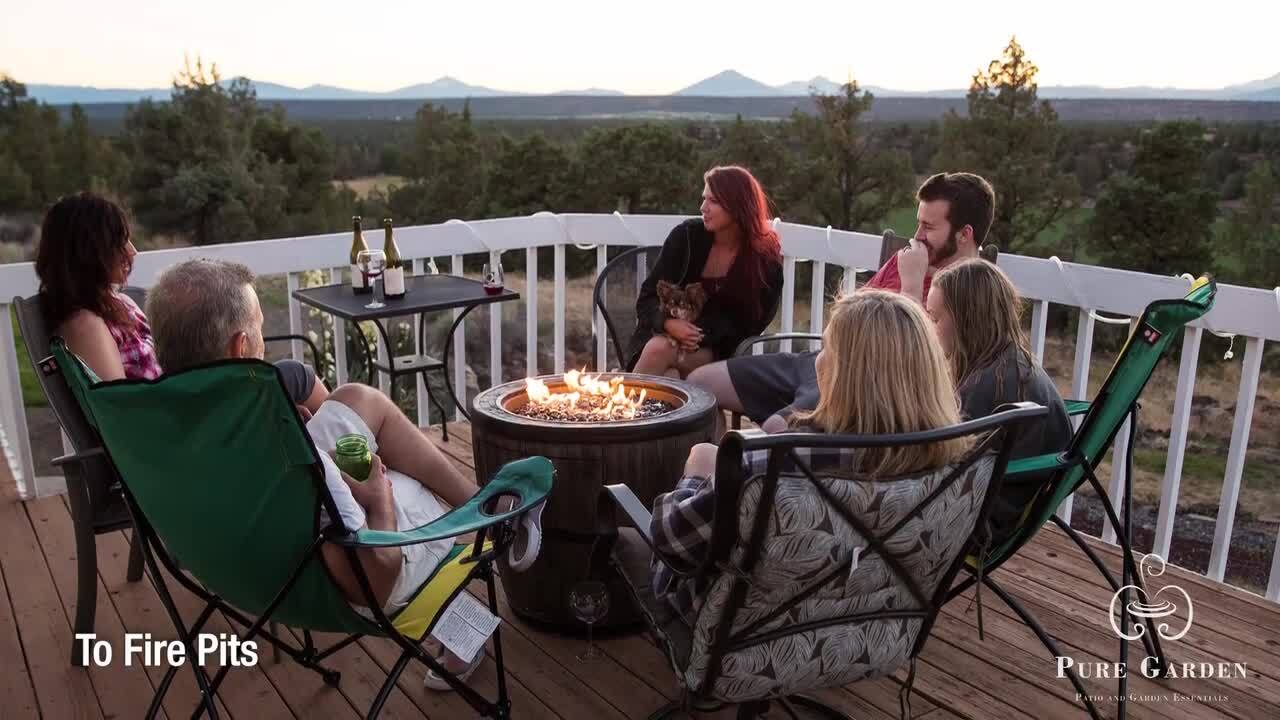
(364,185)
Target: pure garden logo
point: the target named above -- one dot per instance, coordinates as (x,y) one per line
(1140,608)
(1159,611)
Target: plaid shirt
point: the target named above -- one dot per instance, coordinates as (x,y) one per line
(137,347)
(681,524)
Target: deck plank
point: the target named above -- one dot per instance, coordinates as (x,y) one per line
(62,691)
(123,692)
(17,693)
(1226,613)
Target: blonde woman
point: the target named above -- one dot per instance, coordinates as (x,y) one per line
(881,370)
(978,313)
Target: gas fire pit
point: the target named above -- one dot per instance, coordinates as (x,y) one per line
(597,430)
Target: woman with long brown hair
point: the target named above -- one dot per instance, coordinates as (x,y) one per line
(881,370)
(978,313)
(85,256)
(734,254)
(86,253)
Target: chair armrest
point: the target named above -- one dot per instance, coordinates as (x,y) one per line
(77,457)
(1037,464)
(1078,407)
(634,514)
(317,360)
(757,339)
(529,480)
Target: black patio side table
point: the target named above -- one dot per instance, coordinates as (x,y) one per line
(423,294)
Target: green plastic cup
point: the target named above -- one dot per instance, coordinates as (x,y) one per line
(353,456)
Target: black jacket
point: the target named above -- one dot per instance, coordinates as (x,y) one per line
(724,322)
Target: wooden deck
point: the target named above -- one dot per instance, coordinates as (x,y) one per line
(1009,675)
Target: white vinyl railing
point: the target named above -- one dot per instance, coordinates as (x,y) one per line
(1251,314)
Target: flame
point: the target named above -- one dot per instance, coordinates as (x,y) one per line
(589,396)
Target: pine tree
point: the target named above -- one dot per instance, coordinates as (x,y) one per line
(843,173)
(1159,218)
(1010,137)
(1253,231)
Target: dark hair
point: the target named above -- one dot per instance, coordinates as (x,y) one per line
(740,194)
(82,242)
(970,201)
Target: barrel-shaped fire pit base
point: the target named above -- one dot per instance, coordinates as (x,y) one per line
(648,455)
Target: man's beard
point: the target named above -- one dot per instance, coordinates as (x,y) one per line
(945,253)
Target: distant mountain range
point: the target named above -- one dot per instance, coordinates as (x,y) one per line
(729,83)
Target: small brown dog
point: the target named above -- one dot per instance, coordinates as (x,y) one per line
(681,304)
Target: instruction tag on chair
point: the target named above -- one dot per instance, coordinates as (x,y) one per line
(465,626)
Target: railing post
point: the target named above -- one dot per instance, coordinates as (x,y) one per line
(16,443)
(531,311)
(495,330)
(1231,481)
(1079,385)
(1273,585)
(788,299)
(459,347)
(1039,323)
(339,335)
(817,299)
(598,328)
(559,308)
(1168,509)
(293,282)
(1119,465)
(849,281)
(420,383)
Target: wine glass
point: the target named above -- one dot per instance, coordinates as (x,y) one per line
(492,277)
(371,264)
(589,601)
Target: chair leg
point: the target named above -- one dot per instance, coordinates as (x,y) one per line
(813,705)
(135,558)
(86,587)
(1045,640)
(86,558)
(274,629)
(444,417)
(385,691)
(672,709)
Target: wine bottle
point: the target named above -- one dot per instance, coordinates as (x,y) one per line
(359,284)
(393,275)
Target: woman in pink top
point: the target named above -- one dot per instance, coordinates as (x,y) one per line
(84,257)
(85,254)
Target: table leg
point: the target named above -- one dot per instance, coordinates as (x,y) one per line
(368,352)
(391,360)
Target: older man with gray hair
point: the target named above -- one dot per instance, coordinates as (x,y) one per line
(206,310)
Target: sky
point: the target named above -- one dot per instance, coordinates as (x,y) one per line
(637,47)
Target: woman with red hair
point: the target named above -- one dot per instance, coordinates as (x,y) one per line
(733,253)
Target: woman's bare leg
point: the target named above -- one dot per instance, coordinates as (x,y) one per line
(403,447)
(694,360)
(714,378)
(657,358)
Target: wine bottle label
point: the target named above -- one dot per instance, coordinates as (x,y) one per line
(393,281)
(357,277)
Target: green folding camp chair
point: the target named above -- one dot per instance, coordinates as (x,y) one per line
(1068,471)
(221,479)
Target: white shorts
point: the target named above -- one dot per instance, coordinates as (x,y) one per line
(415,505)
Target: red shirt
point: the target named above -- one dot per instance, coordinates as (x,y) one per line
(889,279)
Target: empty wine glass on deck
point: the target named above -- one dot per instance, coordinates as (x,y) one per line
(589,601)
(492,277)
(371,264)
